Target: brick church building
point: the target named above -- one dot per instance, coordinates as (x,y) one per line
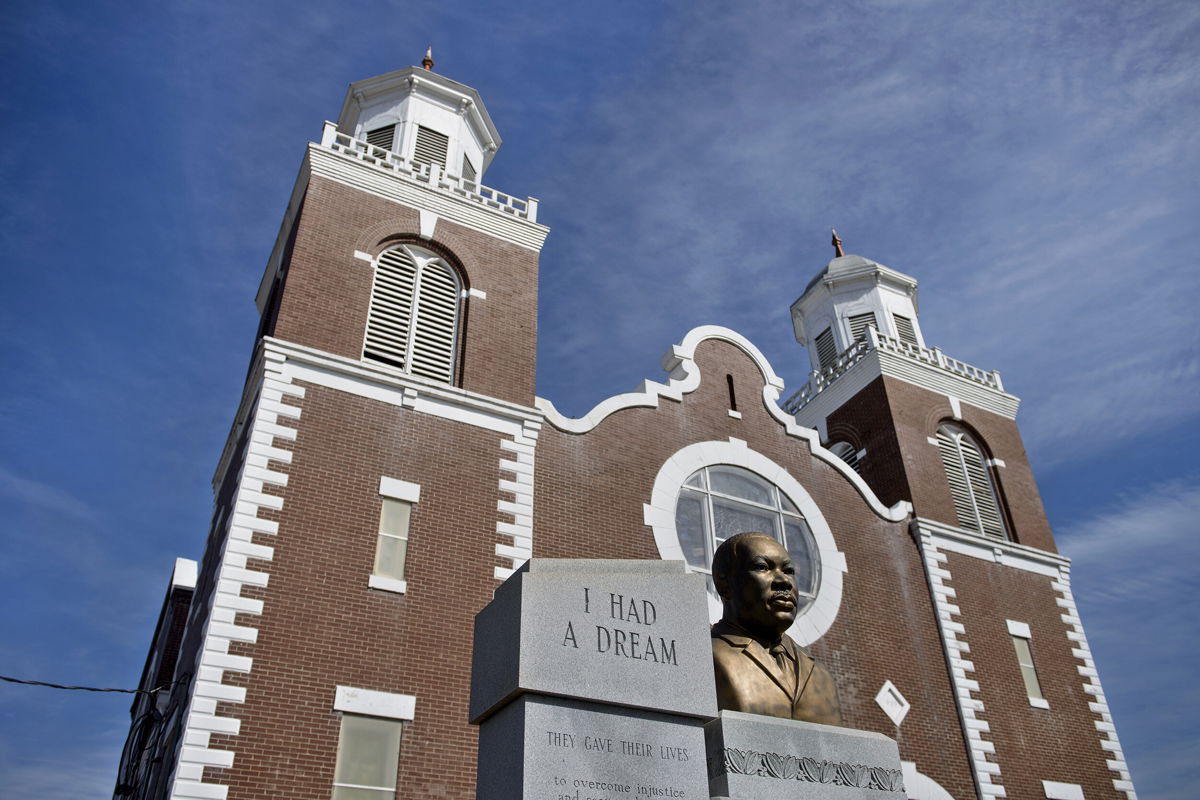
(390,463)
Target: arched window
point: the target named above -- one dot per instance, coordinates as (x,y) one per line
(975,499)
(719,501)
(413,322)
(846,452)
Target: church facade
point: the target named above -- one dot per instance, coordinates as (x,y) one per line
(390,464)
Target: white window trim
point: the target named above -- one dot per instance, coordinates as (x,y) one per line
(387,584)
(423,260)
(1062,791)
(394,489)
(1018,628)
(370,703)
(1021,631)
(395,707)
(400,490)
(659,514)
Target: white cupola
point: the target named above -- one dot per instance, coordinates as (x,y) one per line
(424,118)
(850,295)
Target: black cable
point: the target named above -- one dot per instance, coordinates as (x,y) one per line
(82,688)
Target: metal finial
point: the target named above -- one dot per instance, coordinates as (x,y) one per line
(837,244)
(427,62)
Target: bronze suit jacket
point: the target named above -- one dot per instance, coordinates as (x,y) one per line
(750,680)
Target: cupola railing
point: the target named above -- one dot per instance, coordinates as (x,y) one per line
(430,175)
(822,379)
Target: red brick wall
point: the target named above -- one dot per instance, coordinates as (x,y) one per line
(322,626)
(894,420)
(1032,744)
(917,413)
(866,422)
(589,491)
(327,294)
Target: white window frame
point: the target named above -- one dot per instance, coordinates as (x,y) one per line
(776,509)
(976,501)
(355,702)
(659,514)
(405,492)
(380,335)
(1020,630)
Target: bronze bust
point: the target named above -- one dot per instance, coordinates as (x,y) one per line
(759,669)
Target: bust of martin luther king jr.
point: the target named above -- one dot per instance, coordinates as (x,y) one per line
(759,669)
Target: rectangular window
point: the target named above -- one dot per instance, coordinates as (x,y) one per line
(1019,631)
(397,499)
(368,758)
(468,171)
(392,545)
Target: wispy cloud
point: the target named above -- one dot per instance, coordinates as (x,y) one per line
(43,495)
(1134,573)
(78,774)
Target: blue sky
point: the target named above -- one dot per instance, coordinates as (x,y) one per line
(1032,164)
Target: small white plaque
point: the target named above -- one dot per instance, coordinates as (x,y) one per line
(892,702)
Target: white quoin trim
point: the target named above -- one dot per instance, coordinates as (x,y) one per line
(266,430)
(1106,732)
(956,648)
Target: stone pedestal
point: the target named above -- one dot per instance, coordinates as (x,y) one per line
(592,680)
(546,747)
(752,757)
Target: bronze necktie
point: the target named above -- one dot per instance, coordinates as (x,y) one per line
(780,654)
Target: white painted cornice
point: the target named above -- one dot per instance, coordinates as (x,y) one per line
(445,203)
(990,548)
(381,383)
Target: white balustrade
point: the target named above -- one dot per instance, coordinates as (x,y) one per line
(430,174)
(819,380)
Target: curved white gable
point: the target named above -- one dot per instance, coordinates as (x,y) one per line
(684,377)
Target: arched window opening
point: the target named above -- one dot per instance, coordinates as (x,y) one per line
(413,321)
(719,501)
(846,452)
(975,498)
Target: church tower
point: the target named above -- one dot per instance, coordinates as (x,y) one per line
(927,429)
(375,485)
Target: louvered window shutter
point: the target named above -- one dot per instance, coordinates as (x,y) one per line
(971,488)
(904,329)
(468,171)
(437,315)
(826,349)
(413,320)
(982,490)
(846,452)
(431,147)
(390,320)
(859,324)
(382,137)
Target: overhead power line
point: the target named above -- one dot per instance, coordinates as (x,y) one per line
(81,688)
